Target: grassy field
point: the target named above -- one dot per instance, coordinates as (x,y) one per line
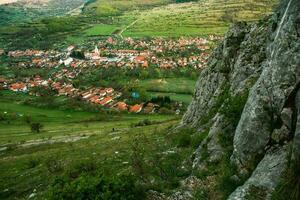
(68,137)
(169,85)
(101,29)
(151,18)
(185,98)
(199,18)
(181,19)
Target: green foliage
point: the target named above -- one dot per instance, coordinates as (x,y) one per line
(84,180)
(36,127)
(256,193)
(219,101)
(183,1)
(197,138)
(289,188)
(62,24)
(32,163)
(78,54)
(145,122)
(183,138)
(155,168)
(53,165)
(233,107)
(95,186)
(226,184)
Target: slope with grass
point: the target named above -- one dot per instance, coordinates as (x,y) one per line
(181,19)
(31,161)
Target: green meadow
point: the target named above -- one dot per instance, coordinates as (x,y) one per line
(168,19)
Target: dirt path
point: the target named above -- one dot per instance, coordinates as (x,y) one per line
(127,27)
(64,138)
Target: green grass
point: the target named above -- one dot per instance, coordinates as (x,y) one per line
(154,18)
(101,29)
(24,165)
(166,19)
(185,98)
(198,18)
(169,85)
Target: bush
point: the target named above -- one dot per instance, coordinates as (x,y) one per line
(81,167)
(53,165)
(36,127)
(289,188)
(183,138)
(197,138)
(95,186)
(166,111)
(145,122)
(233,107)
(32,163)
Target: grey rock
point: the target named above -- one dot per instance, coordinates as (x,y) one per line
(280,76)
(296,143)
(181,195)
(281,135)
(154,195)
(265,178)
(286,117)
(213,78)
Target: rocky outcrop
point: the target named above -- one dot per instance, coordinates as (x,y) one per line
(264,179)
(262,62)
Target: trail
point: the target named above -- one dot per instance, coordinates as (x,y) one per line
(62,138)
(127,27)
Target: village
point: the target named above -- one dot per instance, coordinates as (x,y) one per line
(128,53)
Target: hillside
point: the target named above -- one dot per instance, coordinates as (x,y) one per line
(179,19)
(26,11)
(246,107)
(104,18)
(100,100)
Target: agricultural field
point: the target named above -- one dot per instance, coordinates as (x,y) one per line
(159,18)
(182,19)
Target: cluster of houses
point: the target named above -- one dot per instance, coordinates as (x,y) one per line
(128,53)
(105,97)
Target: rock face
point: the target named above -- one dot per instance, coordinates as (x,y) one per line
(262,63)
(264,179)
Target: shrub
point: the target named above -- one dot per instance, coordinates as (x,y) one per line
(144,122)
(32,163)
(289,188)
(184,140)
(95,186)
(53,165)
(233,107)
(197,138)
(166,111)
(28,119)
(36,127)
(81,167)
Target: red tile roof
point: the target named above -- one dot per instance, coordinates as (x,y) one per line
(135,109)
(122,106)
(105,101)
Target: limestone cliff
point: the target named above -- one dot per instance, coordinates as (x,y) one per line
(248,101)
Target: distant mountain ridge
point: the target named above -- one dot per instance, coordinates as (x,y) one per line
(15,11)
